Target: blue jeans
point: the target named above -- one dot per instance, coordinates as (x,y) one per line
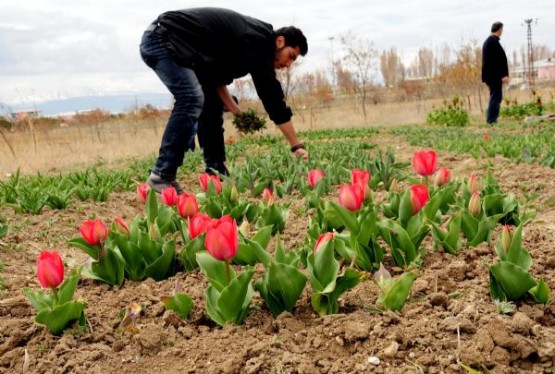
(495,97)
(181,129)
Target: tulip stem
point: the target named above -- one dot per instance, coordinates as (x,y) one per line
(227,272)
(55,295)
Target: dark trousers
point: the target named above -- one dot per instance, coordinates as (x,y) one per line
(495,97)
(211,131)
(197,109)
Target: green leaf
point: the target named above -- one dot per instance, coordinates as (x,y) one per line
(57,318)
(263,236)
(349,279)
(281,287)
(214,270)
(180,303)
(513,280)
(67,288)
(346,217)
(541,292)
(235,298)
(405,208)
(187,256)
(323,268)
(212,294)
(397,295)
(108,268)
(518,255)
(91,250)
(39,299)
(151,206)
(163,265)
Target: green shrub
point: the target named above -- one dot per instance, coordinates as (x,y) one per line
(452,114)
(514,110)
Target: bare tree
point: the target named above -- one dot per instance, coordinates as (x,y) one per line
(425,62)
(360,60)
(391,67)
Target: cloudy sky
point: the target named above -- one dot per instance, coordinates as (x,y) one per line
(62,48)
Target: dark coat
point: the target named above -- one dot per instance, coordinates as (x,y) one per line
(494,61)
(221,45)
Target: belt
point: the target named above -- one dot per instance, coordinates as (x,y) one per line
(152,27)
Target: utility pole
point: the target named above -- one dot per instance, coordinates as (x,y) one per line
(530,51)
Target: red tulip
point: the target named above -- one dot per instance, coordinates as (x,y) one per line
(362,177)
(205,179)
(322,240)
(442,176)
(93,232)
(419,197)
(198,224)
(121,226)
(169,196)
(486,137)
(50,269)
(314,176)
(187,205)
(351,196)
(222,241)
(424,162)
(142,192)
(268,196)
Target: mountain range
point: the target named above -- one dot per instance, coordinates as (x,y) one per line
(112,103)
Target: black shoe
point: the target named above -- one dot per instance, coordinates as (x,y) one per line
(159,184)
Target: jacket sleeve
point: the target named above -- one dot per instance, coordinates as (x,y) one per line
(269,91)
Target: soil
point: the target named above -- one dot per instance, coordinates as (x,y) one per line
(449,320)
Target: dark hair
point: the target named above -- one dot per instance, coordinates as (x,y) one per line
(293,38)
(496,26)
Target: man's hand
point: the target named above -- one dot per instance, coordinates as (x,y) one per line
(302,153)
(505,80)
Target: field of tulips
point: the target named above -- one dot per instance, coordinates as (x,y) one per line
(411,249)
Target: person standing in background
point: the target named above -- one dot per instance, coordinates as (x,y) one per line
(495,71)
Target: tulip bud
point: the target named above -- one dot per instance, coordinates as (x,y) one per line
(486,137)
(442,176)
(93,232)
(169,196)
(222,241)
(419,196)
(50,269)
(424,162)
(314,176)
(187,205)
(121,227)
(394,186)
(205,179)
(142,192)
(351,196)
(474,183)
(234,195)
(268,196)
(475,204)
(506,238)
(322,240)
(198,224)
(381,275)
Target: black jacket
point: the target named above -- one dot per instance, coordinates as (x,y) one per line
(221,45)
(494,61)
